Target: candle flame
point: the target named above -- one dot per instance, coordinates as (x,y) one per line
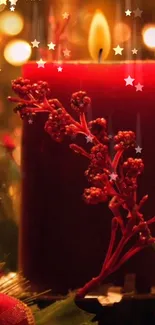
(99,36)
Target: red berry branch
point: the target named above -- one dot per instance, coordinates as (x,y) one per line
(113,181)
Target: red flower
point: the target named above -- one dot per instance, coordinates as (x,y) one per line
(99,156)
(80,101)
(26,90)
(8,143)
(133,167)
(98,128)
(124,140)
(94,195)
(56,124)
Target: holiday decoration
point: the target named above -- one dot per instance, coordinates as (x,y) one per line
(112,180)
(18,305)
(13,311)
(64,312)
(14,284)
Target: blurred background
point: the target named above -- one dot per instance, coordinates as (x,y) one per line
(22,22)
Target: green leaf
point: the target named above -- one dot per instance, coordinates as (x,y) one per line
(64,312)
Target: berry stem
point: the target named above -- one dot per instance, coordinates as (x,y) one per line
(83,122)
(79,150)
(150,221)
(114,226)
(109,265)
(116,159)
(134,250)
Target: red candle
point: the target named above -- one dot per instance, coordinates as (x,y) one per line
(62,240)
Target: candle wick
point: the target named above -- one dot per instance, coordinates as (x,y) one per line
(100,55)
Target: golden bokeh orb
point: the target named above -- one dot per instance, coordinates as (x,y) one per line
(17,52)
(11,23)
(148,34)
(122,33)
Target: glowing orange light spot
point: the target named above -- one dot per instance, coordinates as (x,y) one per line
(148,34)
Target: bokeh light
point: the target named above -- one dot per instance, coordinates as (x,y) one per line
(122,33)
(148,34)
(2,7)
(11,23)
(17,52)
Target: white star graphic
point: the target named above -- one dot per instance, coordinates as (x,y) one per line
(129,81)
(110,136)
(118,50)
(138,149)
(138,12)
(65,15)
(41,63)
(12,8)
(113,176)
(13,2)
(139,87)
(128,12)
(60,69)
(35,43)
(134,51)
(30,121)
(66,52)
(89,138)
(2,2)
(51,46)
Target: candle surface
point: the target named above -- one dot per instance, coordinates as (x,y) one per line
(62,240)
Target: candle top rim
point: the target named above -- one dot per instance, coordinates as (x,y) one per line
(94,63)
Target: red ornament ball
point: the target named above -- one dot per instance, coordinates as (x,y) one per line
(13,312)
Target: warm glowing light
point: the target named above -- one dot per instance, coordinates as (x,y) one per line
(99,36)
(148,33)
(11,23)
(17,155)
(122,33)
(17,52)
(2,7)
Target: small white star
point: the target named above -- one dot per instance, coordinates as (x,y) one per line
(89,138)
(35,43)
(113,176)
(110,136)
(118,50)
(12,8)
(65,15)
(41,63)
(138,12)
(139,87)
(60,69)
(138,149)
(13,2)
(30,121)
(66,52)
(2,2)
(129,81)
(134,51)
(128,12)
(51,46)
